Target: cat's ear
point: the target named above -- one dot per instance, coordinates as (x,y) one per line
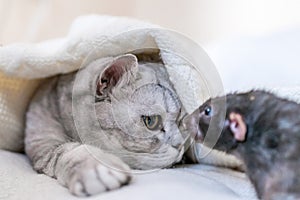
(122,70)
(237,126)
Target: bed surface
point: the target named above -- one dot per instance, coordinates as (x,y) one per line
(19,181)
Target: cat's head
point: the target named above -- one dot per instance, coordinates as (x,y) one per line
(140,113)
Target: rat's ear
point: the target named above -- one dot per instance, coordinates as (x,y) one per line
(121,71)
(237,126)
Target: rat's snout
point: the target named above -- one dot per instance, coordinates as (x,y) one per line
(192,125)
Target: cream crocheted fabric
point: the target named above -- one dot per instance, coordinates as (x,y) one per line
(15,94)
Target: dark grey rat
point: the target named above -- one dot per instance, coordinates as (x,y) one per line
(262,130)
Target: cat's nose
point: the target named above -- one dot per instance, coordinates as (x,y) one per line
(173,136)
(177,141)
(191,123)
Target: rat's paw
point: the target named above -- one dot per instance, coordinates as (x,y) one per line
(92,177)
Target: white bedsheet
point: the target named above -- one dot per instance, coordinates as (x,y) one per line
(19,181)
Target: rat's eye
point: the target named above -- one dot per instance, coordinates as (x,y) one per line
(153,122)
(207,111)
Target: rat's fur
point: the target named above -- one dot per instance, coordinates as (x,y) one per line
(271,149)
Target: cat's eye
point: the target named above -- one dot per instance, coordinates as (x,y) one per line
(153,122)
(207,111)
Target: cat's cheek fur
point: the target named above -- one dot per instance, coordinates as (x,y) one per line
(105,115)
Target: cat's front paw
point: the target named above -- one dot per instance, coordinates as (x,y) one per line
(92,177)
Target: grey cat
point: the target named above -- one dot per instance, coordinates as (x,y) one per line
(87,129)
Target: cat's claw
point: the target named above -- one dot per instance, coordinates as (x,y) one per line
(93,177)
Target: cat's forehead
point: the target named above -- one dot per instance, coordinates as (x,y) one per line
(152,88)
(145,76)
(156,97)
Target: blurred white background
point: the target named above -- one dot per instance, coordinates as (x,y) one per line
(205,21)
